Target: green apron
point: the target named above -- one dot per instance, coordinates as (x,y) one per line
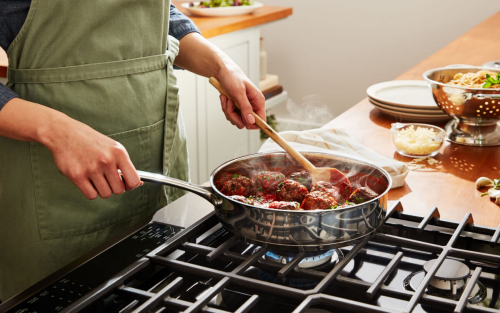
(108,64)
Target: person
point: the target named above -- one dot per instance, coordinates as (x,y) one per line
(91,91)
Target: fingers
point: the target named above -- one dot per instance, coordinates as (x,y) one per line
(250,99)
(102,186)
(232,115)
(129,174)
(257,100)
(87,189)
(115,181)
(245,108)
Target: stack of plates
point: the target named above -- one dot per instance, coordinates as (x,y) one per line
(406,99)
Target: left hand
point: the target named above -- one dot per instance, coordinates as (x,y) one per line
(250,98)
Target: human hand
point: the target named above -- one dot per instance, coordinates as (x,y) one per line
(238,86)
(91,160)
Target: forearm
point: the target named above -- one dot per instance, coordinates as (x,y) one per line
(198,55)
(88,158)
(28,121)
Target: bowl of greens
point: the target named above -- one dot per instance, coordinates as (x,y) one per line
(221,7)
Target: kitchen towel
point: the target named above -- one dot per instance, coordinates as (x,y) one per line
(338,141)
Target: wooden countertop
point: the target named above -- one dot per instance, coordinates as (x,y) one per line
(214,26)
(449,186)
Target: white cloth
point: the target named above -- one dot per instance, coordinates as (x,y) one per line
(339,142)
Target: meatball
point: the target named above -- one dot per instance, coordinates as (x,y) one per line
(362,194)
(239,186)
(284,205)
(290,190)
(267,182)
(318,200)
(243,199)
(328,188)
(303,178)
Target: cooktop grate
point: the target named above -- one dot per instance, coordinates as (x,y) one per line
(206,269)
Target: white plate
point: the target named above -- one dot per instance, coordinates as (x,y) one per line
(403,93)
(223,11)
(415,117)
(402,109)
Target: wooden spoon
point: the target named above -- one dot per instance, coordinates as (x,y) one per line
(317,173)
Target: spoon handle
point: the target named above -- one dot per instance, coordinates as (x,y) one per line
(269,131)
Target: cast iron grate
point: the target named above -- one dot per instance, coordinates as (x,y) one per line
(186,243)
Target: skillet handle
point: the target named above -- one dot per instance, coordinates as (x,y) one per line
(202,191)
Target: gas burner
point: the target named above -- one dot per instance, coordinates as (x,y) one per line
(312,259)
(449,281)
(449,277)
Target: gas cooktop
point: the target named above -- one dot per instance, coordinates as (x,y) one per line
(412,264)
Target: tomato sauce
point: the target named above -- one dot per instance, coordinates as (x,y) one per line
(268,197)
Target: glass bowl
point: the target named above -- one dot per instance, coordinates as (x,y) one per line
(412,142)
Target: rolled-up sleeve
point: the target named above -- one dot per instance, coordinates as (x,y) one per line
(180,25)
(6,94)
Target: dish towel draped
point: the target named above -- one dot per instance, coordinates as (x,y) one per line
(340,143)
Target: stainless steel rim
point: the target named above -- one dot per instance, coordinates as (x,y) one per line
(479,68)
(255,155)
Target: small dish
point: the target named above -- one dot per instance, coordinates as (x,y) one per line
(417,140)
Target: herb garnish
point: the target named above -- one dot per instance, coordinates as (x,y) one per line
(236,175)
(491,81)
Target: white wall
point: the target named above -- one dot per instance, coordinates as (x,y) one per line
(336,49)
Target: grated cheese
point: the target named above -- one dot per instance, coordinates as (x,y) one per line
(416,141)
(414,164)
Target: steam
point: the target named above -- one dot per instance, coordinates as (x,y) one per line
(311,112)
(311,109)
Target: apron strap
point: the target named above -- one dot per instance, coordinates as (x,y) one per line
(91,71)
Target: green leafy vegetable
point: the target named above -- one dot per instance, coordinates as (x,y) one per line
(236,175)
(271,121)
(491,81)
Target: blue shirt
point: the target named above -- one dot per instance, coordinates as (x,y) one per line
(13,13)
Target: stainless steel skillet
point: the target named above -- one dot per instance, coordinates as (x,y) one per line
(293,230)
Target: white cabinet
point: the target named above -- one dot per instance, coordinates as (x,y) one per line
(212,140)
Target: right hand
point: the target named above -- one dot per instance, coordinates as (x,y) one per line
(88,158)
(91,160)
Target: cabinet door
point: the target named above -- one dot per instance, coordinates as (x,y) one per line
(212,140)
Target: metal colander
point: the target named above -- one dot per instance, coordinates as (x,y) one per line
(475,111)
